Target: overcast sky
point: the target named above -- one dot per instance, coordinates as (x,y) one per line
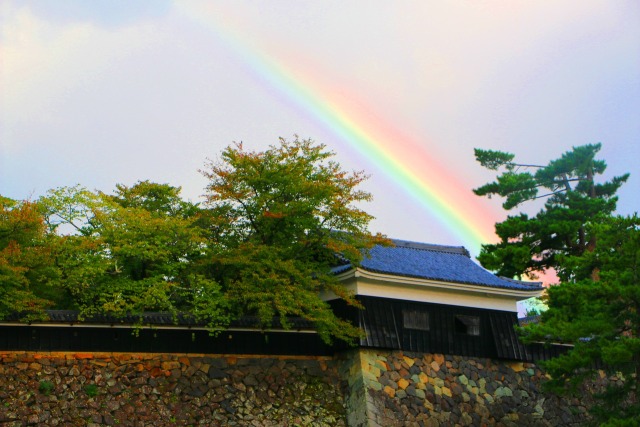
(105,92)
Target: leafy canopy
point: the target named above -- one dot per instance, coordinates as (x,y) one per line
(26,262)
(122,254)
(273,225)
(282,218)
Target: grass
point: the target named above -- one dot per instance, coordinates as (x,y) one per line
(91,390)
(45,387)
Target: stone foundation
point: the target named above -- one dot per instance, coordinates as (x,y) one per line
(409,389)
(126,389)
(356,388)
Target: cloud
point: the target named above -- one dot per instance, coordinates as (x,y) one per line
(44,64)
(102,92)
(101,13)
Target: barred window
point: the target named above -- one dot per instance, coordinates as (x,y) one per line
(415,319)
(469,325)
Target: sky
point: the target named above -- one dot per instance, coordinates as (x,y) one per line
(105,92)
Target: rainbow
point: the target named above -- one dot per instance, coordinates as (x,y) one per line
(399,156)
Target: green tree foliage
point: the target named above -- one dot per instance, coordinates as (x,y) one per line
(130,252)
(573,200)
(596,306)
(69,210)
(274,225)
(26,264)
(282,218)
(602,319)
(157,199)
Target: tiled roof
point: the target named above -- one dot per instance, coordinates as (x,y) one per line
(434,262)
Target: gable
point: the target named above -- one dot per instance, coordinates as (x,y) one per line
(431,273)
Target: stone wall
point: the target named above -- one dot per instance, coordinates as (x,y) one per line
(76,389)
(356,388)
(413,389)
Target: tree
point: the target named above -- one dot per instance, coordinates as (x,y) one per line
(280,220)
(158,199)
(573,199)
(70,210)
(602,320)
(26,265)
(595,254)
(131,252)
(274,225)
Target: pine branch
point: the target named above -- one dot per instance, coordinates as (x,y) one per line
(523,165)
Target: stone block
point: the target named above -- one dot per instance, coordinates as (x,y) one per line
(438,382)
(374,371)
(415,370)
(503,392)
(375,385)
(389,391)
(168,366)
(408,360)
(517,366)
(382,365)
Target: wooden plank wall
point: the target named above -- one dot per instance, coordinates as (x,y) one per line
(178,340)
(382,320)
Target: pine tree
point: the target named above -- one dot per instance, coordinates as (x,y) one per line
(596,307)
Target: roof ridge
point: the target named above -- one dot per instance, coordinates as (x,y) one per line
(460,250)
(521,282)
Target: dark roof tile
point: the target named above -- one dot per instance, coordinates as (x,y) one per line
(434,262)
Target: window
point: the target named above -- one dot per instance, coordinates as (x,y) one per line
(415,319)
(469,325)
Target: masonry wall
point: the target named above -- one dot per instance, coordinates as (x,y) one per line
(357,388)
(96,389)
(417,389)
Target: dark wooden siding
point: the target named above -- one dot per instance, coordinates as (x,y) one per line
(382,321)
(536,352)
(381,325)
(505,338)
(178,340)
